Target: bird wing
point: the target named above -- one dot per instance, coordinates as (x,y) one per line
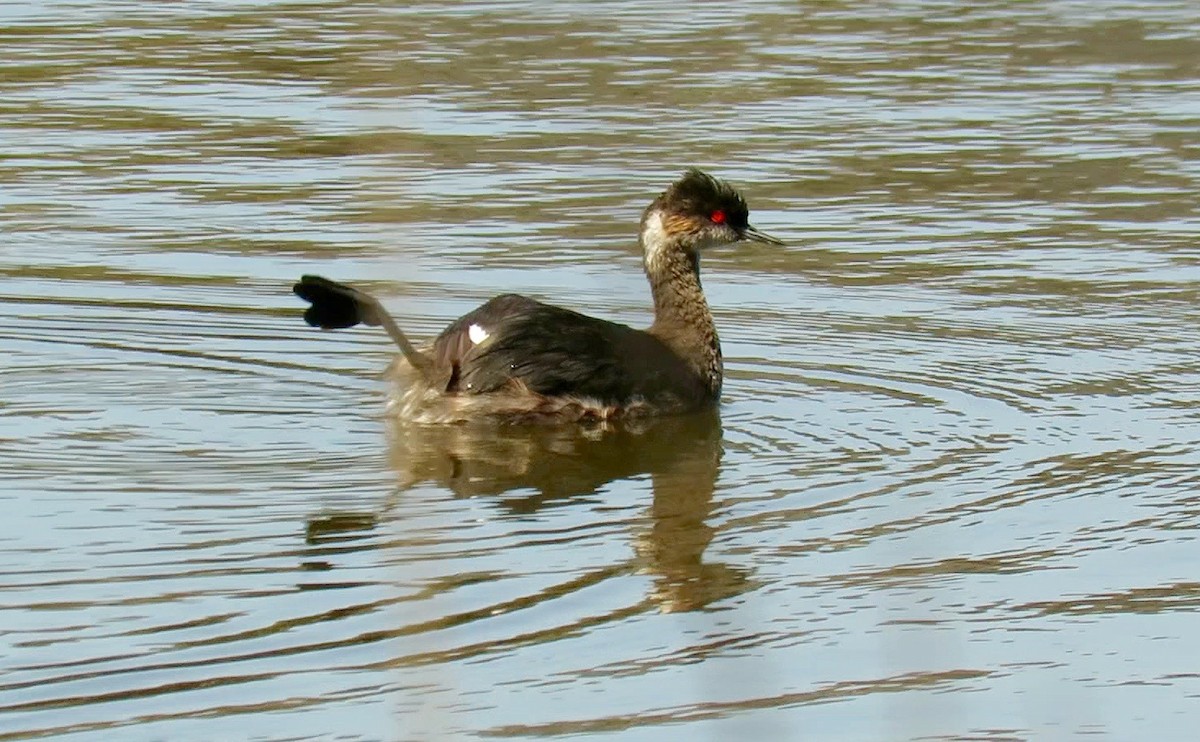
(555,352)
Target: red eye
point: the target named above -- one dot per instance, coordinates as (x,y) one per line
(718,217)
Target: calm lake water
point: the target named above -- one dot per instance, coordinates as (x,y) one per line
(953,490)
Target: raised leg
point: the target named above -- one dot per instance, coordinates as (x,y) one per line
(336,306)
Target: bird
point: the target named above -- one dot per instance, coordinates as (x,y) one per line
(517,359)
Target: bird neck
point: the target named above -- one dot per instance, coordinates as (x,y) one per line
(682,319)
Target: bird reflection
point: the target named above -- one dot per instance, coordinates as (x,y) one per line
(541,466)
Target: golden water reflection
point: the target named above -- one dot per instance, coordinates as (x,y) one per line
(528,468)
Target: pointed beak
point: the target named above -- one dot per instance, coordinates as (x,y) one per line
(750,233)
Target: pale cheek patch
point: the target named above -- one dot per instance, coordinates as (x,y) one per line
(654,238)
(477,334)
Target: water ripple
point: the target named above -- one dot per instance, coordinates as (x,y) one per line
(956,452)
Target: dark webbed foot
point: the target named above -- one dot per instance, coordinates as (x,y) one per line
(334,305)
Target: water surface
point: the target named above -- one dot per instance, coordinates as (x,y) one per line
(951,492)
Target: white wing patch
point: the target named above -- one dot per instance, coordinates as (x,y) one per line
(477,334)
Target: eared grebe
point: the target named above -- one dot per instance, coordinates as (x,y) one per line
(515,358)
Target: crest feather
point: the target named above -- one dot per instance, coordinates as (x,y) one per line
(696,193)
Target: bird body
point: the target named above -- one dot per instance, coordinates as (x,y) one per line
(517,358)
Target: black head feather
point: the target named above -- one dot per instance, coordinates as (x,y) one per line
(699,194)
